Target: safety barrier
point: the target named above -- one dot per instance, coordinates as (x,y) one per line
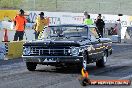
(2,51)
(116,39)
(14,49)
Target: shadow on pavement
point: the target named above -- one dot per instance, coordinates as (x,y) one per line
(65,70)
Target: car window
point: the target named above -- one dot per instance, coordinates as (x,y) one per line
(65,32)
(75,31)
(94,32)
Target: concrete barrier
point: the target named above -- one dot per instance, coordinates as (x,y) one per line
(15,49)
(116,39)
(2,51)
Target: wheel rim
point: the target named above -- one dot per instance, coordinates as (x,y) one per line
(85,62)
(105,58)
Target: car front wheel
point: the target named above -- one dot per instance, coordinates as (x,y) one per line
(31,66)
(102,62)
(85,56)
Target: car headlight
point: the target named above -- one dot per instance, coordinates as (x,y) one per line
(75,51)
(26,51)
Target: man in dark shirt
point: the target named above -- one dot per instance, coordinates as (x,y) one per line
(100,24)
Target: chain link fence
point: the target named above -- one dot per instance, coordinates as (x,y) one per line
(10,4)
(92,6)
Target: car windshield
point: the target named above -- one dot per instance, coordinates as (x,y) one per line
(64,32)
(94,32)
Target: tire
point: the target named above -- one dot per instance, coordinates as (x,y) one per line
(85,56)
(81,64)
(31,66)
(102,62)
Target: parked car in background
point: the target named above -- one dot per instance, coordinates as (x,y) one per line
(67,44)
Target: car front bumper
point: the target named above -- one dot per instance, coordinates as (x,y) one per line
(53,59)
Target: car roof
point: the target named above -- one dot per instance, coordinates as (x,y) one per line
(72,25)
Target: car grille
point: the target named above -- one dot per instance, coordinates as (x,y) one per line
(50,51)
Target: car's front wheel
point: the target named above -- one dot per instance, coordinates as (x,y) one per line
(31,66)
(84,62)
(85,57)
(102,62)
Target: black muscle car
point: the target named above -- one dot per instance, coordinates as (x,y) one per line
(67,44)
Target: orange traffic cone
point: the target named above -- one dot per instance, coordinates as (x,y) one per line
(5,38)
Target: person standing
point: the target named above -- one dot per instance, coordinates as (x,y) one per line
(85,14)
(115,29)
(100,24)
(19,22)
(40,23)
(88,21)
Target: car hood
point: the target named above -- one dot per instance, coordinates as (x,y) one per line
(51,43)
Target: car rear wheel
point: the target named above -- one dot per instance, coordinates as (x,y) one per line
(102,62)
(31,66)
